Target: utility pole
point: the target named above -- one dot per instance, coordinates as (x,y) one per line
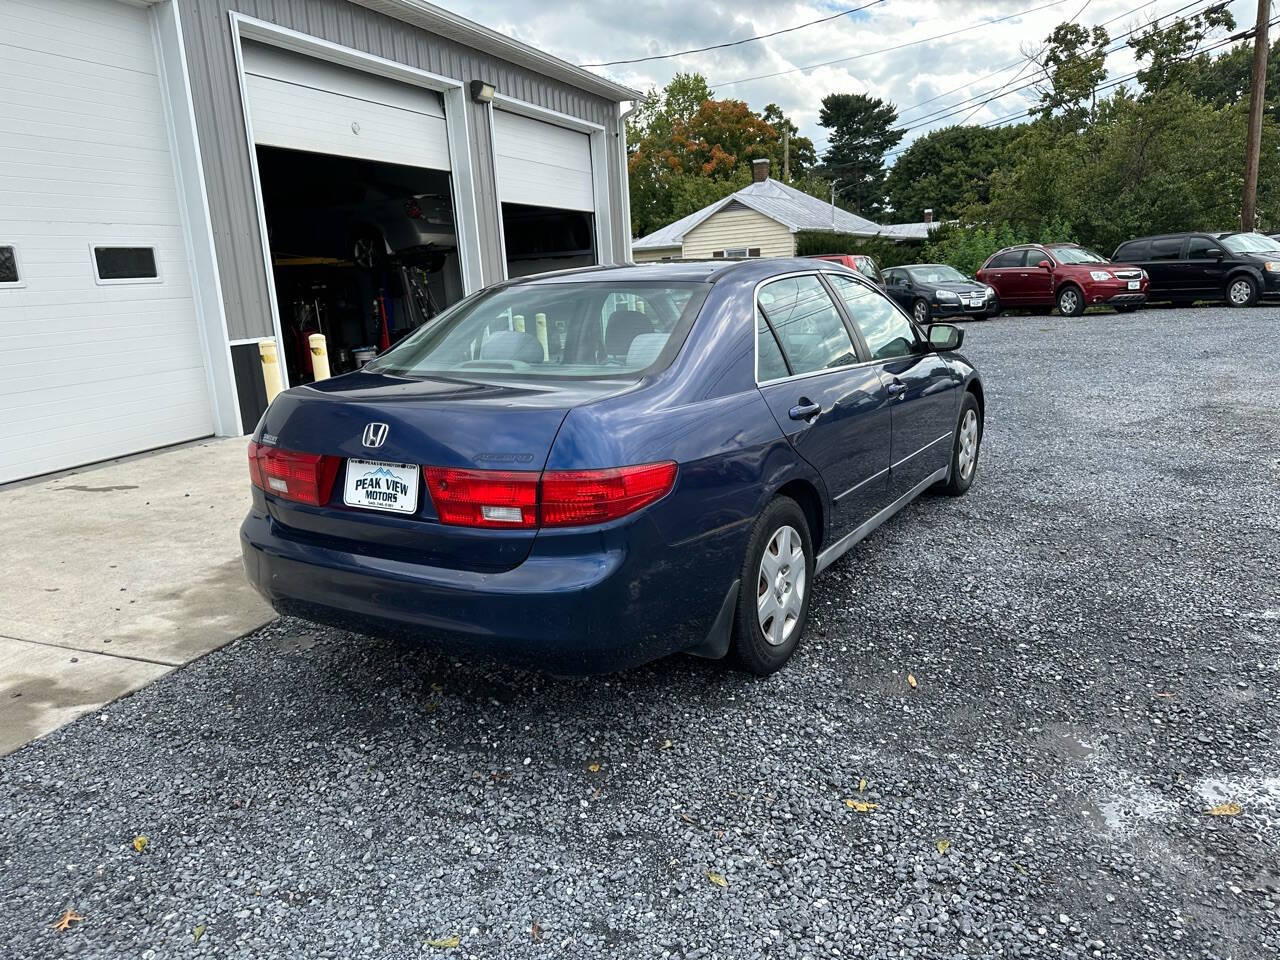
(1257,99)
(786,152)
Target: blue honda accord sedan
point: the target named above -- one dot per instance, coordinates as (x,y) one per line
(588,470)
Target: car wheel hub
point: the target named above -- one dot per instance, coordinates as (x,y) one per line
(968,454)
(780,585)
(1239,292)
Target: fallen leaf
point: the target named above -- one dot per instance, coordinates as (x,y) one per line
(1020,868)
(667,744)
(536,932)
(862,806)
(67,919)
(445,943)
(594,767)
(1229,809)
(862,785)
(717,879)
(139,843)
(686,818)
(943,846)
(911,680)
(198,932)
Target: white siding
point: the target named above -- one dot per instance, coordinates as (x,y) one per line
(735,227)
(90,371)
(541,164)
(294,102)
(648,256)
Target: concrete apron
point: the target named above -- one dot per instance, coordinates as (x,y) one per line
(112,575)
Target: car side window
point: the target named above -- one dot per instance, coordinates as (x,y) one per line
(807,323)
(769,362)
(1170,248)
(1013,258)
(1201,248)
(888,333)
(1129,252)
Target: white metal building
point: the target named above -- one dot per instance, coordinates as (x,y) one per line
(148,236)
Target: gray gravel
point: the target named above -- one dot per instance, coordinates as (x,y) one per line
(1095,636)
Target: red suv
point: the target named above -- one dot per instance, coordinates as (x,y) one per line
(1062,275)
(864,264)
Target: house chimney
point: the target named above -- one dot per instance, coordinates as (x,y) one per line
(928,214)
(760,170)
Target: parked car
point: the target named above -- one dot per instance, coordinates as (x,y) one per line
(928,290)
(1235,267)
(589,470)
(864,264)
(1070,277)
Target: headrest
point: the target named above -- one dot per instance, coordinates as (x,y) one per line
(512,345)
(624,326)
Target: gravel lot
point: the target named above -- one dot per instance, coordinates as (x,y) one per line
(1094,633)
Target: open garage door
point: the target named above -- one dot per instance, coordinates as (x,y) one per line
(547,190)
(357,196)
(101,352)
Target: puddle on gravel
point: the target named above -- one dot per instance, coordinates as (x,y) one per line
(1134,807)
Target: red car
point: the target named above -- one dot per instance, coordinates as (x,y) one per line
(1042,276)
(864,264)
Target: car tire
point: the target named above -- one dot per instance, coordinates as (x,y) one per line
(993,311)
(1070,300)
(1040,311)
(788,581)
(1242,291)
(920,311)
(965,448)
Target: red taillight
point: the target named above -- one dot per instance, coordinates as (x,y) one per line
(522,499)
(301,477)
(484,498)
(572,498)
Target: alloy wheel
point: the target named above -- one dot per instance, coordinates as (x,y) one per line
(1240,292)
(780,585)
(921,312)
(1068,301)
(968,455)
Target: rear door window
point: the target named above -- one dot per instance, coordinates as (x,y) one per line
(1166,248)
(1011,258)
(807,323)
(769,362)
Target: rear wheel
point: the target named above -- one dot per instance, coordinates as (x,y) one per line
(1070,301)
(920,310)
(1242,291)
(773,602)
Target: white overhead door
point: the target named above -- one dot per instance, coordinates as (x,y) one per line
(99,355)
(303,103)
(541,164)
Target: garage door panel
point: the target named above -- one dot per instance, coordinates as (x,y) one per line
(90,371)
(541,164)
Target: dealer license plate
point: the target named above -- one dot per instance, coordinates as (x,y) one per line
(373,485)
(1135,284)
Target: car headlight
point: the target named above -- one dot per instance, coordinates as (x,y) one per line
(1144,274)
(991,292)
(1272,266)
(1099,274)
(947,295)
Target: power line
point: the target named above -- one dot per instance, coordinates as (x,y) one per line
(735,43)
(900,46)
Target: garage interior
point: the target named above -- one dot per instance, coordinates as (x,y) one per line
(362,251)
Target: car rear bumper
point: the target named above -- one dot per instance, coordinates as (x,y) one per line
(591,612)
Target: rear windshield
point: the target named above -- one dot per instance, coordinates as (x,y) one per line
(575,330)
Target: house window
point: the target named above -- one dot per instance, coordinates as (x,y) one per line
(125,265)
(10,275)
(737,252)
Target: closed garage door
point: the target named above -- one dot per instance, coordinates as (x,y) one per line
(541,164)
(306,104)
(100,353)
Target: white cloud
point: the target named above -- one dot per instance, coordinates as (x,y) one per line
(611,30)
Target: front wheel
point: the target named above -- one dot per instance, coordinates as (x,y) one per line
(993,309)
(920,310)
(1070,301)
(1242,291)
(773,602)
(965,449)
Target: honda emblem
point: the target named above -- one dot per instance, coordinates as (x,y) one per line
(375,434)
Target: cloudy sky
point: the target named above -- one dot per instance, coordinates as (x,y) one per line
(965,62)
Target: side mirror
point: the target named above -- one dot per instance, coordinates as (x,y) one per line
(1216,253)
(945,336)
(1045,265)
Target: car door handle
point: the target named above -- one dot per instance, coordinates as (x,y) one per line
(897,388)
(806,409)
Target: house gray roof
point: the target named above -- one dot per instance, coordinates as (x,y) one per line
(909,231)
(777,201)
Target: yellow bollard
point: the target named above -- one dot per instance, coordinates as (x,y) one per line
(540,330)
(270,368)
(319,356)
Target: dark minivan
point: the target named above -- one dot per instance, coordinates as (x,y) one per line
(1236,267)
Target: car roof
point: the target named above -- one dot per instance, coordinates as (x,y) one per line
(697,271)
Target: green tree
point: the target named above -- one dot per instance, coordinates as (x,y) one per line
(1074,64)
(1168,51)
(804,158)
(862,130)
(946,170)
